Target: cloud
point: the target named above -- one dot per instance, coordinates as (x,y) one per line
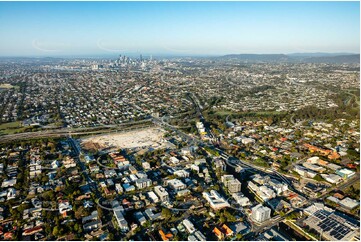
(101,45)
(48,46)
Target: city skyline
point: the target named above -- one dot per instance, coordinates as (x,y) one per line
(177,28)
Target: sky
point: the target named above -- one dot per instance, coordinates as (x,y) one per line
(177,28)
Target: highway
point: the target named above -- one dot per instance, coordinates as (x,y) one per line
(199,109)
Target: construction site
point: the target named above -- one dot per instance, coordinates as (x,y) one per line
(146,137)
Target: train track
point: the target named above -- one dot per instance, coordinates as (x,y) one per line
(65,132)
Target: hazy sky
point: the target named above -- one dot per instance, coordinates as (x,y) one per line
(181,28)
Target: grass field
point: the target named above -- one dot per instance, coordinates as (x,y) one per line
(11,128)
(224,112)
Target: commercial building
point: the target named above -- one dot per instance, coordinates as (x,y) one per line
(215,200)
(304,172)
(345,173)
(261,213)
(349,203)
(332,178)
(314,167)
(264,192)
(232,184)
(241,199)
(346,203)
(331,225)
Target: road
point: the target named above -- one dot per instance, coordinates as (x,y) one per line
(340,186)
(230,82)
(199,109)
(271,172)
(201,143)
(356,98)
(93,185)
(270,223)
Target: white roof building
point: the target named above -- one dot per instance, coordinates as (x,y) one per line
(64,206)
(215,200)
(8,183)
(174,160)
(153,197)
(162,193)
(181,173)
(345,173)
(176,184)
(314,167)
(247,141)
(349,203)
(122,223)
(189,226)
(261,213)
(313,159)
(241,199)
(332,178)
(146,165)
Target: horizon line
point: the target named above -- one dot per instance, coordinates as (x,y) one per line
(168,55)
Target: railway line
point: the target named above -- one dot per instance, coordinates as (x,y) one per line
(65,132)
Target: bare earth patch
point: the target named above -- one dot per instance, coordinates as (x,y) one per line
(150,137)
(6,86)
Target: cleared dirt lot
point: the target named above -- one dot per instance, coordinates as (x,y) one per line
(149,137)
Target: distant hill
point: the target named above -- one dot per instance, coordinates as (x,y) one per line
(334,59)
(338,58)
(257,57)
(318,54)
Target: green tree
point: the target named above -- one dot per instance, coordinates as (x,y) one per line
(56,231)
(78,228)
(166,213)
